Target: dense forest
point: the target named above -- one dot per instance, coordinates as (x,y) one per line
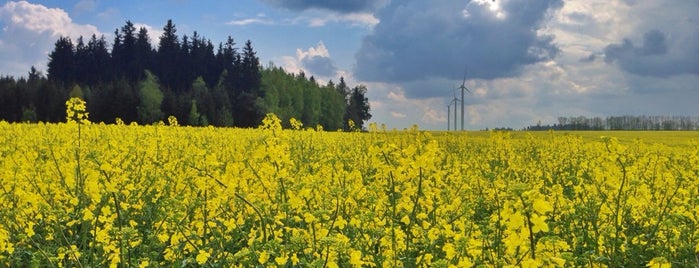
(187,77)
(627,122)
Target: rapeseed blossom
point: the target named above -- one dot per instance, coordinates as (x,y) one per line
(129,195)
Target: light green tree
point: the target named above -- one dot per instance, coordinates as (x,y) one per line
(150,98)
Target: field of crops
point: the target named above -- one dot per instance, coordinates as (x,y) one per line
(149,196)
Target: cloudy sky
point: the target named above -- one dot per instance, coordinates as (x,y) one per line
(525,61)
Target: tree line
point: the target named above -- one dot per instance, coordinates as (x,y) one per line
(187,77)
(626,122)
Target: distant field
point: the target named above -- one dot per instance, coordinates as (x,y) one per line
(670,138)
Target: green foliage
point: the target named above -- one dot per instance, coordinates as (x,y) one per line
(296,96)
(151,98)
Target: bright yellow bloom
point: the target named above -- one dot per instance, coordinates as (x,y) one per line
(202,256)
(405,220)
(264,256)
(356,258)
(658,262)
(449,250)
(281,260)
(542,206)
(294,259)
(539,223)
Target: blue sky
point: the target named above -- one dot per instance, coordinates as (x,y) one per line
(525,61)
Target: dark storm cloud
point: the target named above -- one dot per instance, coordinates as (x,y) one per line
(652,57)
(418,39)
(341,6)
(319,65)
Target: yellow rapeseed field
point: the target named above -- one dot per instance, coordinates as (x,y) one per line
(78,194)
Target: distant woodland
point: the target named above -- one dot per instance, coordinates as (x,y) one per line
(188,77)
(626,122)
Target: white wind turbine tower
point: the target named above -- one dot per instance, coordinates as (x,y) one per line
(463,88)
(455,100)
(449,116)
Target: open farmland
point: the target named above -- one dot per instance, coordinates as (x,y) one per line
(118,195)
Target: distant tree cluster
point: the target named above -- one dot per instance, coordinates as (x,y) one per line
(626,122)
(185,77)
(297,96)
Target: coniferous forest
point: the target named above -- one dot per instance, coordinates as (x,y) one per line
(188,77)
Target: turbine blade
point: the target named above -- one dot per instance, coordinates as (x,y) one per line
(464,81)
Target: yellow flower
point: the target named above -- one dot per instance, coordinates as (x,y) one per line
(542,206)
(425,259)
(294,259)
(658,262)
(405,220)
(465,262)
(516,220)
(309,218)
(29,230)
(281,260)
(539,223)
(264,256)
(356,258)
(202,257)
(449,250)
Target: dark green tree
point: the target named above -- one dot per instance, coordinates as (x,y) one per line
(143,54)
(61,65)
(167,57)
(246,109)
(357,108)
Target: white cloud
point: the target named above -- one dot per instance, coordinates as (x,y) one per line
(493,6)
(29,32)
(367,20)
(314,61)
(248,21)
(40,19)
(318,51)
(153,33)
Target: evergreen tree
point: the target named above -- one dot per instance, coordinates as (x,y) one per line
(357,108)
(343,89)
(126,60)
(167,57)
(143,54)
(99,63)
(82,62)
(61,65)
(247,112)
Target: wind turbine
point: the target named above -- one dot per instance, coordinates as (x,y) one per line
(455,100)
(462,87)
(449,116)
